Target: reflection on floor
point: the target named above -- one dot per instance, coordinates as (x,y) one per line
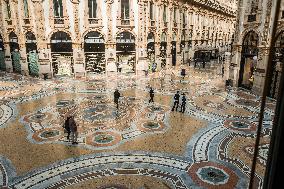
(140,145)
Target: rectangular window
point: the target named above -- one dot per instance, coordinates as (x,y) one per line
(8,9)
(151,11)
(165,14)
(175,14)
(26,9)
(58,8)
(183,19)
(125,9)
(92,8)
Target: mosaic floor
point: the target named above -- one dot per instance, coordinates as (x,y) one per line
(140,145)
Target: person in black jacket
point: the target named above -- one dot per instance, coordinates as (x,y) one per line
(183,103)
(176,101)
(67,128)
(151,92)
(116,97)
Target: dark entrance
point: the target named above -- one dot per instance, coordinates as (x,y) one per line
(32,55)
(174,53)
(248,60)
(94,48)
(163,50)
(62,54)
(125,52)
(277,66)
(15,54)
(2,55)
(151,51)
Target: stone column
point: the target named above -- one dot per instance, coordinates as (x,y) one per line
(78,52)
(110,44)
(157,55)
(44,52)
(260,71)
(234,68)
(142,38)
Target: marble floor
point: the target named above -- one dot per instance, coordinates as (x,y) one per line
(139,146)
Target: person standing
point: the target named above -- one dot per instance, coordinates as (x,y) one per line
(67,127)
(223,70)
(183,103)
(74,130)
(116,97)
(176,101)
(151,92)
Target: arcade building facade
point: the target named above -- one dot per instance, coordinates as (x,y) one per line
(252,43)
(67,37)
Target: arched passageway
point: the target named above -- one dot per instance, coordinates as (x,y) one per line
(277,66)
(248,60)
(163,50)
(2,54)
(15,54)
(151,51)
(94,48)
(32,55)
(62,54)
(125,52)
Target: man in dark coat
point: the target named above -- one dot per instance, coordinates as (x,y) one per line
(151,92)
(116,97)
(183,103)
(176,101)
(74,130)
(67,128)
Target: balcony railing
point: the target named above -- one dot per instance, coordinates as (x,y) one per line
(27,21)
(58,20)
(252,18)
(93,21)
(125,22)
(9,21)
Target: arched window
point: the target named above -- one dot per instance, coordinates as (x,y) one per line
(26,8)
(8,9)
(165,14)
(175,14)
(125,9)
(92,8)
(151,10)
(58,8)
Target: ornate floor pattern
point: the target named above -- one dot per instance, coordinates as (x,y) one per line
(139,145)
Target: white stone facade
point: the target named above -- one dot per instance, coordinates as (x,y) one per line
(188,26)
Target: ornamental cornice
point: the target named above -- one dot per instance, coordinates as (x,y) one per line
(213,4)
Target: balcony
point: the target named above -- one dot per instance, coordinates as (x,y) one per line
(252,18)
(9,21)
(93,21)
(27,21)
(125,22)
(59,21)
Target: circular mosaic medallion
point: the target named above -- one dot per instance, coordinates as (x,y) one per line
(38,117)
(101,112)
(211,175)
(151,126)
(63,103)
(103,139)
(49,134)
(240,125)
(113,187)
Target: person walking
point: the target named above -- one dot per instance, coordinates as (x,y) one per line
(176,101)
(183,103)
(223,71)
(74,130)
(151,92)
(67,127)
(116,97)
